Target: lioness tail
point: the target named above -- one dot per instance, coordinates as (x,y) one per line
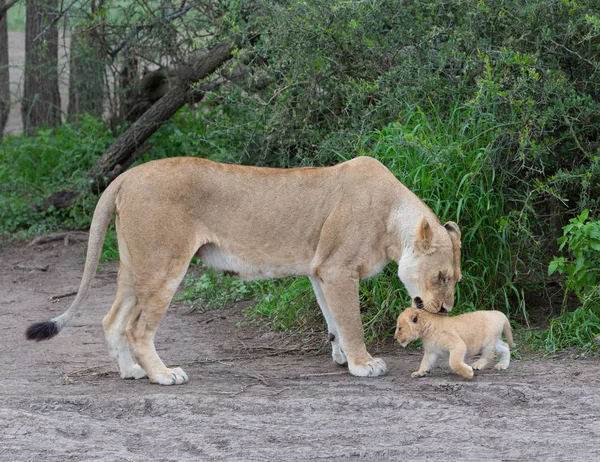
(102,216)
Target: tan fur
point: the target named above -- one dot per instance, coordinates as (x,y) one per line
(335,225)
(461,336)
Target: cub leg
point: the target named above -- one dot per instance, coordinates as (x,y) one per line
(342,299)
(503,351)
(427,363)
(487,354)
(457,360)
(334,337)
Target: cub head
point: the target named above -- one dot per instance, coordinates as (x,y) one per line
(407,326)
(431,268)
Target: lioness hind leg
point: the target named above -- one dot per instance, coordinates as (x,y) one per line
(114,324)
(151,302)
(342,299)
(334,336)
(503,351)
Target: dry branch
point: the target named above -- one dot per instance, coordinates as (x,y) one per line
(160,112)
(127,147)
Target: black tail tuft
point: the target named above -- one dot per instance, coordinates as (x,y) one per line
(41,331)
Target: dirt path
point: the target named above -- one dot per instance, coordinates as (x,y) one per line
(62,400)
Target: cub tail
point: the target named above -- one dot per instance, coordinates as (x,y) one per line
(508,333)
(102,216)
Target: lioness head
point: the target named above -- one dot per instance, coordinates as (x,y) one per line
(407,327)
(431,269)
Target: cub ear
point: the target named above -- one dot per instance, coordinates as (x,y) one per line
(454,232)
(423,235)
(414,318)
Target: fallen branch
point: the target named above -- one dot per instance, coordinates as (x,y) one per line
(32,268)
(70,235)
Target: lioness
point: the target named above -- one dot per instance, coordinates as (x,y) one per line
(335,225)
(462,336)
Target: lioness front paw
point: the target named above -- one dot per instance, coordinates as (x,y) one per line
(418,374)
(372,368)
(175,376)
(501,367)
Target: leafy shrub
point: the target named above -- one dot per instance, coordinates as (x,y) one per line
(32,168)
(582,268)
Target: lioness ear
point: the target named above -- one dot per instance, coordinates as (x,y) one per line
(454,232)
(423,236)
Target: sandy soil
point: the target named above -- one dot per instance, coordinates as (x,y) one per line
(255,395)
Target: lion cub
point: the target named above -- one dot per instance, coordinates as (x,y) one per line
(462,336)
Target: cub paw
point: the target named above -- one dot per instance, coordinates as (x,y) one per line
(501,367)
(338,354)
(372,368)
(418,374)
(478,366)
(175,376)
(136,372)
(466,372)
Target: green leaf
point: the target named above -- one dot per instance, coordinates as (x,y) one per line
(553,266)
(595,244)
(583,216)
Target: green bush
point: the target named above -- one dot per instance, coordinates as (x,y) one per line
(32,168)
(582,267)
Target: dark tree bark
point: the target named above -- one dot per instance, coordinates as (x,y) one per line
(4,77)
(6,6)
(128,79)
(41,99)
(86,76)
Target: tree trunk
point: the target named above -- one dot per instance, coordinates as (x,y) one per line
(41,99)
(4,77)
(86,76)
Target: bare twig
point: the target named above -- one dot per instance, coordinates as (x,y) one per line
(53,22)
(55,298)
(177,14)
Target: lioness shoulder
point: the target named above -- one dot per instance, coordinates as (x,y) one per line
(466,335)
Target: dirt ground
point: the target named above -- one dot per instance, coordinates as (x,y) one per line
(255,395)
